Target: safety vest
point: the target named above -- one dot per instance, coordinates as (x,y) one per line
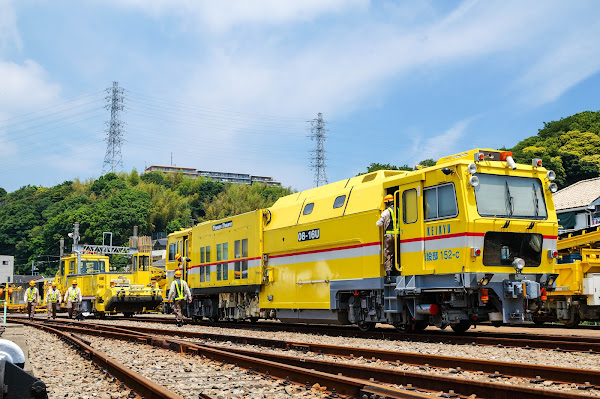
(394,230)
(73,294)
(179,289)
(30,294)
(54,295)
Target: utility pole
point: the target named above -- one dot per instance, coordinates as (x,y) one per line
(317,161)
(113,159)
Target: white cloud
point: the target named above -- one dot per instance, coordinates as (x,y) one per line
(25,87)
(443,144)
(572,60)
(221,16)
(9,34)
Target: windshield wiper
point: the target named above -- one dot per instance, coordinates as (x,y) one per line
(535,201)
(509,200)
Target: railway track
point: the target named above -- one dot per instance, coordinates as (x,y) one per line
(510,340)
(139,385)
(334,374)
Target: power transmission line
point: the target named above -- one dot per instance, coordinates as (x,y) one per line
(113,158)
(318,160)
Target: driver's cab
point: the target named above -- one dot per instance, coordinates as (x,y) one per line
(74,267)
(141,263)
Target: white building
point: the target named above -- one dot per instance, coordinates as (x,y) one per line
(578,206)
(7,268)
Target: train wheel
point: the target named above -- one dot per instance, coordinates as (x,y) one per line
(537,321)
(366,326)
(128,314)
(213,319)
(573,323)
(403,328)
(420,325)
(253,320)
(461,327)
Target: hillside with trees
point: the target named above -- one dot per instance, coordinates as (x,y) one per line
(33,219)
(570,147)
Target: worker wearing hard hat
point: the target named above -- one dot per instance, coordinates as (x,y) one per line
(32,297)
(73,299)
(178,294)
(53,299)
(389,223)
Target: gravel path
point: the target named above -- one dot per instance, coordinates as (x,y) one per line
(65,372)
(515,355)
(189,376)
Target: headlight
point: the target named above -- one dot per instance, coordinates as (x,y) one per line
(553,187)
(474,181)
(518,264)
(550,175)
(472,168)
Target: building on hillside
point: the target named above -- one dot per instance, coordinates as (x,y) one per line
(190,172)
(225,177)
(578,206)
(7,268)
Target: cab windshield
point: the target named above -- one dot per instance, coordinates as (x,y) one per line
(92,266)
(510,197)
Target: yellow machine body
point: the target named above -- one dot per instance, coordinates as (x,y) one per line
(105,291)
(314,254)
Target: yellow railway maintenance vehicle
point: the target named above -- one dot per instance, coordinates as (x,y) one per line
(577,294)
(105,291)
(476,241)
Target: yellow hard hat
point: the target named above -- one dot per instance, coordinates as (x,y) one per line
(31,283)
(54,283)
(177,256)
(178,273)
(75,282)
(388,198)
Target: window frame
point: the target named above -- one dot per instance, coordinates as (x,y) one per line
(307,211)
(437,202)
(343,197)
(416,205)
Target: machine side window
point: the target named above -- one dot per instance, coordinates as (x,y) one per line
(339,201)
(144,263)
(308,208)
(172,251)
(135,263)
(62,268)
(409,206)
(241,266)
(204,273)
(205,254)
(72,267)
(222,268)
(440,202)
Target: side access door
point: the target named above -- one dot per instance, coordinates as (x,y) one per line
(411,239)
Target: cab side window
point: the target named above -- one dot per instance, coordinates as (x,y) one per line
(409,206)
(440,202)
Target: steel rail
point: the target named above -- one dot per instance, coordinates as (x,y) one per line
(139,384)
(522,370)
(337,384)
(509,340)
(390,376)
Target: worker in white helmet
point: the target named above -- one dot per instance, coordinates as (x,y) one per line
(53,299)
(73,299)
(32,298)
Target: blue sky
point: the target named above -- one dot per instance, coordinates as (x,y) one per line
(230,86)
